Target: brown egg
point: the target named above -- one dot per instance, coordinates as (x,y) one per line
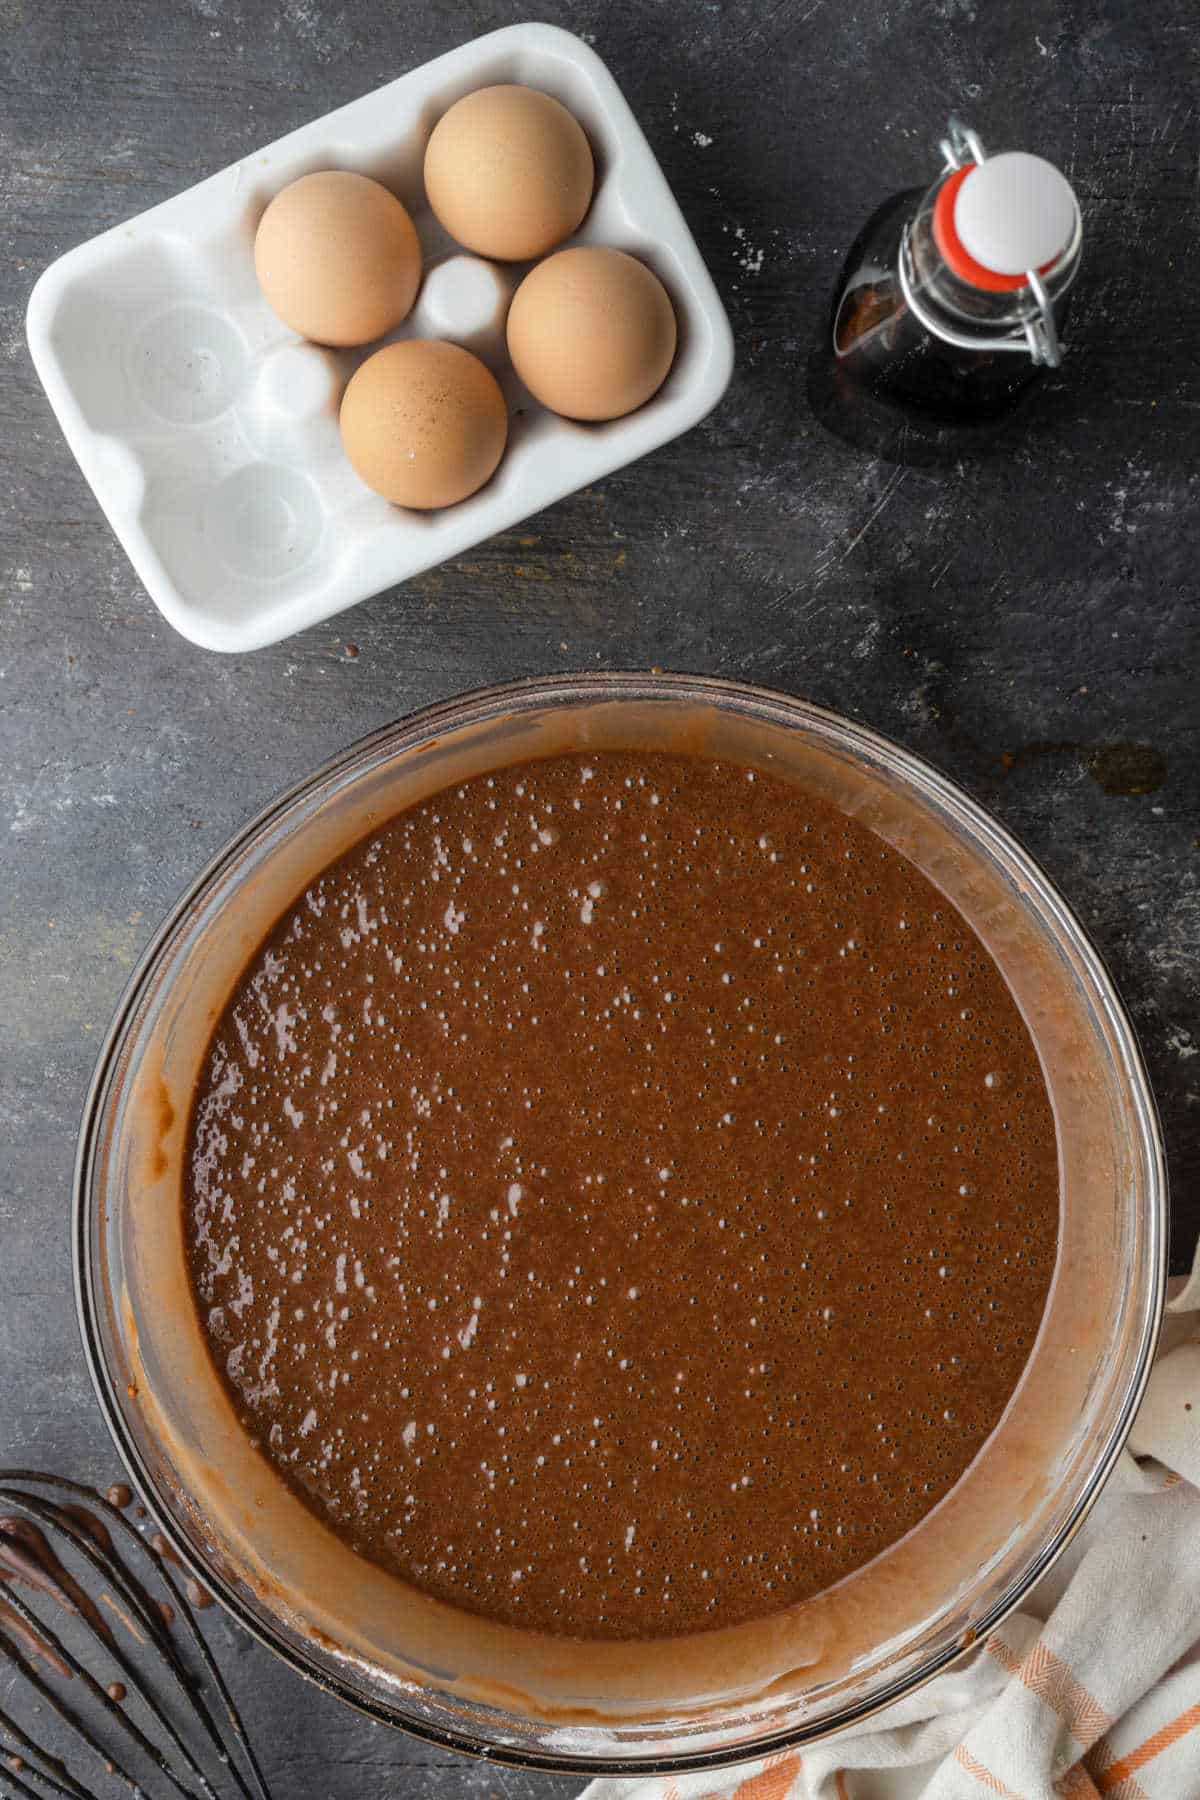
(337,258)
(508,172)
(591,333)
(424,423)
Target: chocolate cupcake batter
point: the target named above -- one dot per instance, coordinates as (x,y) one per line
(622,1196)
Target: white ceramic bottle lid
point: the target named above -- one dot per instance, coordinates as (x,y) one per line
(1014,212)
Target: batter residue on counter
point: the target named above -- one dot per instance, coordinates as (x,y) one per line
(622,1195)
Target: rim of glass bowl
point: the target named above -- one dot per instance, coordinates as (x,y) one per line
(968,816)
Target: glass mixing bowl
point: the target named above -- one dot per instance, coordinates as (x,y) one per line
(614,1708)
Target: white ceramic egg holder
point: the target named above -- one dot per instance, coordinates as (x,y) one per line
(208,431)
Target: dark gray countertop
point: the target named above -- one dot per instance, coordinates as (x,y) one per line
(1016,621)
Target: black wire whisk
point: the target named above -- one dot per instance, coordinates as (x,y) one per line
(101,1655)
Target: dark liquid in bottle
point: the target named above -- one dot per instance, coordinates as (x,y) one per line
(881,381)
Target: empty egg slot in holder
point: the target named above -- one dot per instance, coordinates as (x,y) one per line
(209,432)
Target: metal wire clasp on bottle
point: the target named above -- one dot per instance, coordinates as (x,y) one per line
(1036,336)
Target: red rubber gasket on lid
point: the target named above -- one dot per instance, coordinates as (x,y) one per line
(957,257)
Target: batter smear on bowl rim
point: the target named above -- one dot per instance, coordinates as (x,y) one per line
(622,1195)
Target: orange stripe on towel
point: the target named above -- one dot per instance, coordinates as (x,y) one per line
(1099,1757)
(1108,1780)
(772,1781)
(1129,1789)
(1053,1681)
(991,1782)
(1076,1784)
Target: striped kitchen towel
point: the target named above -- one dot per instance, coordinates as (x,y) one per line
(1093,1688)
